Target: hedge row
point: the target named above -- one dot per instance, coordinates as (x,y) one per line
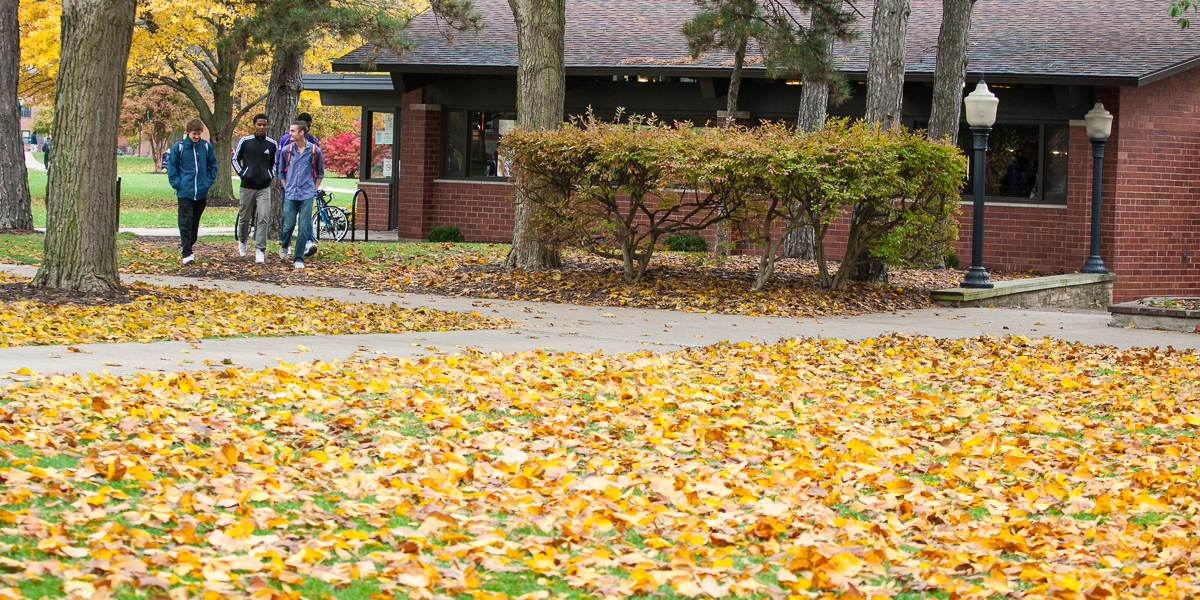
(616,189)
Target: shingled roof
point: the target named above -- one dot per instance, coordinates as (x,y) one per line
(1116,42)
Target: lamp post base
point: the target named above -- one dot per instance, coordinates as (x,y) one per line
(1094,264)
(977,278)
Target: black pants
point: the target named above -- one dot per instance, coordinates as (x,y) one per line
(189,222)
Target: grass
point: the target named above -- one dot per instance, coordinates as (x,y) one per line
(27,249)
(147,199)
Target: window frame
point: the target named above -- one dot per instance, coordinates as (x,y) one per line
(968,192)
(443,162)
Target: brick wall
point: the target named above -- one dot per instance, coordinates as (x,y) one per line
(374,215)
(1157,213)
(484,211)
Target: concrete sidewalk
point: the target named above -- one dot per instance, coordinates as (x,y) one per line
(555,327)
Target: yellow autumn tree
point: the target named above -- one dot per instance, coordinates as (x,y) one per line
(40,29)
(202,50)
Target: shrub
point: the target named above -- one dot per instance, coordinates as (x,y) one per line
(615,189)
(952,260)
(446,233)
(900,190)
(685,242)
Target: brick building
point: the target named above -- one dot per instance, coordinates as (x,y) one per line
(433,117)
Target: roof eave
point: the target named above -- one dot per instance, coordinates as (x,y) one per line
(757,73)
(1168,71)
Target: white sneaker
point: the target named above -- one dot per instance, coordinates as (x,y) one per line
(242,249)
(189,259)
(310,249)
(298,264)
(260,256)
(283,252)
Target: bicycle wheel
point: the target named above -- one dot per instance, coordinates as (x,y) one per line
(339,222)
(319,225)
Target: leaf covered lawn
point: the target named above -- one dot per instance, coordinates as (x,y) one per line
(152,313)
(675,281)
(901,467)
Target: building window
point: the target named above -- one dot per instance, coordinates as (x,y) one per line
(383,137)
(1024,162)
(25,112)
(24,136)
(470,140)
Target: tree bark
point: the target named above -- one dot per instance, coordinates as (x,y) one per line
(885,97)
(814,97)
(951,71)
(814,108)
(735,84)
(283,95)
(885,69)
(723,246)
(81,209)
(541,96)
(15,205)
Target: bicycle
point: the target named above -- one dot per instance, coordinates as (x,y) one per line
(327,219)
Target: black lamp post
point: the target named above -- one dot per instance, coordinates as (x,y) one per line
(1099,127)
(981,114)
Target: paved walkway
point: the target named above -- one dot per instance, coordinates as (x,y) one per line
(555,327)
(32,163)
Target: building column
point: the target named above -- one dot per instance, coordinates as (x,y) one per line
(420,151)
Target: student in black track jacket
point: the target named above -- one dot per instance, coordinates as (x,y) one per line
(254,162)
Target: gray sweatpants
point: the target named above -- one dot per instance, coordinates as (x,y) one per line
(254,206)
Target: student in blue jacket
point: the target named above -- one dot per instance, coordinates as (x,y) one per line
(191,169)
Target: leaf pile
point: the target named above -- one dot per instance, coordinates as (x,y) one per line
(158,313)
(675,281)
(894,467)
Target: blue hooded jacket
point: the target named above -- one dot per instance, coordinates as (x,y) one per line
(192,168)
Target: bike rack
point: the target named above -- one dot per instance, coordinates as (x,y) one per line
(354,219)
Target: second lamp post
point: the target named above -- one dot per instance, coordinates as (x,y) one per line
(981,114)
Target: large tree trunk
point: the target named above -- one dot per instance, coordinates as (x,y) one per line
(541,95)
(81,209)
(885,69)
(951,71)
(885,98)
(283,95)
(15,205)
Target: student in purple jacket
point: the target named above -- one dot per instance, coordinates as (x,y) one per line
(301,168)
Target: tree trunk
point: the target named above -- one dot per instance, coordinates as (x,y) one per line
(735,84)
(81,210)
(541,95)
(722,245)
(885,97)
(283,95)
(15,205)
(885,69)
(814,107)
(814,97)
(951,71)
(799,243)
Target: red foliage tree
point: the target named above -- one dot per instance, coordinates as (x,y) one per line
(341,153)
(156,113)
